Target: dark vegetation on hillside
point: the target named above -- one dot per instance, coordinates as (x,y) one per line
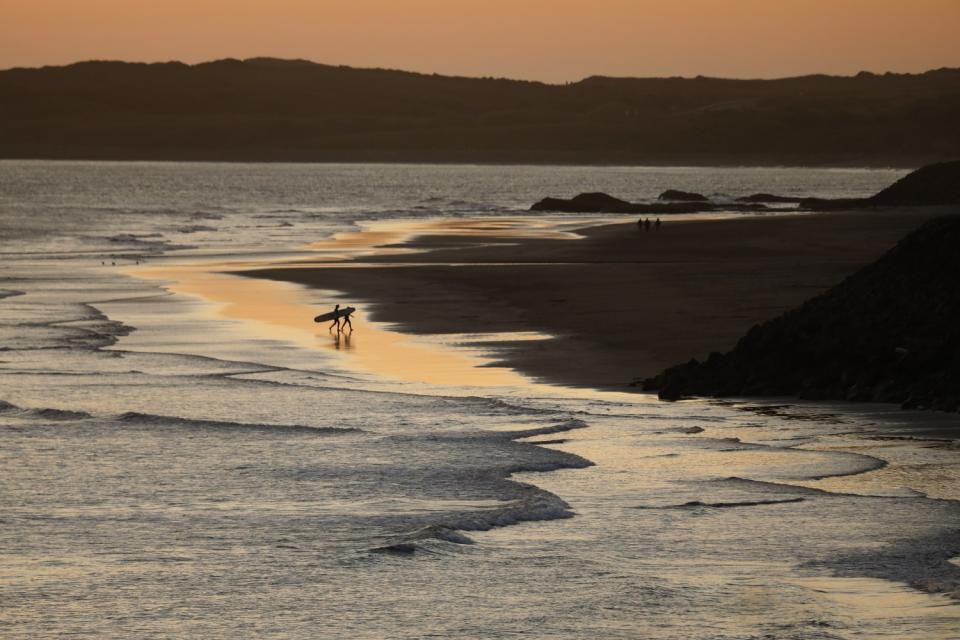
(265,109)
(888,333)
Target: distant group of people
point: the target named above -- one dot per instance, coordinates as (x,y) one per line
(645,224)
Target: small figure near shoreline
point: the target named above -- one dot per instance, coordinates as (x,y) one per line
(336,318)
(656,225)
(336,315)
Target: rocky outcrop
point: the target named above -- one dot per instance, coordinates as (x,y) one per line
(603,203)
(584,203)
(676,195)
(769,198)
(888,333)
(933,184)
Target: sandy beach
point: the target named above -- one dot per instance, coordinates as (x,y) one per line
(621,303)
(178,437)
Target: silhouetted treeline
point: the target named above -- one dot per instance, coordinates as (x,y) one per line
(264,109)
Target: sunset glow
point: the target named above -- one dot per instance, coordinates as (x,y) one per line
(550,40)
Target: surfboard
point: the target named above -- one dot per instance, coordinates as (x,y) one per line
(333,315)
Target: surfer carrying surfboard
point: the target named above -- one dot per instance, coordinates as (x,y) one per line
(336,318)
(336,315)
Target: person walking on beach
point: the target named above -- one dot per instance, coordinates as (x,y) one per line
(646,224)
(336,318)
(346,323)
(656,225)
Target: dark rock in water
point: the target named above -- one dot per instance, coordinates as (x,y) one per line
(681,196)
(603,203)
(583,203)
(933,184)
(888,333)
(769,198)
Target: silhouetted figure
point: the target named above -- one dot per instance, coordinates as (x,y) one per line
(640,224)
(347,323)
(656,225)
(646,224)
(336,318)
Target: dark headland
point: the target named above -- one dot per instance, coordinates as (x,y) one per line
(935,184)
(293,110)
(888,333)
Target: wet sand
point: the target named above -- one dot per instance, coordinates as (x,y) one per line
(621,303)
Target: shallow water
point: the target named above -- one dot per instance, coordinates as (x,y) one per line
(184,453)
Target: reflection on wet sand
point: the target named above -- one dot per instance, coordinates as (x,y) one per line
(281,311)
(341,340)
(632,469)
(385,237)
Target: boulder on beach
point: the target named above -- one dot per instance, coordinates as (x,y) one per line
(676,195)
(888,333)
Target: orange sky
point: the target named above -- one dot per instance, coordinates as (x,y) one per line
(552,40)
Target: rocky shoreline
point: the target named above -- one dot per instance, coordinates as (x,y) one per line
(934,184)
(888,333)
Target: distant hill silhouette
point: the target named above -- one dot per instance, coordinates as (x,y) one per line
(266,109)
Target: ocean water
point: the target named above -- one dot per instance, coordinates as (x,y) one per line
(184,454)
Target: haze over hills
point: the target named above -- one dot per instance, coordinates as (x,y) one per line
(295,110)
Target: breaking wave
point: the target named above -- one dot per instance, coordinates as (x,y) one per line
(7,408)
(153,420)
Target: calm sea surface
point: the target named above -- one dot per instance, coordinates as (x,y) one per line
(183,454)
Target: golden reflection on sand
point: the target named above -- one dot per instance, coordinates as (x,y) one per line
(383,236)
(279,310)
(860,598)
(904,473)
